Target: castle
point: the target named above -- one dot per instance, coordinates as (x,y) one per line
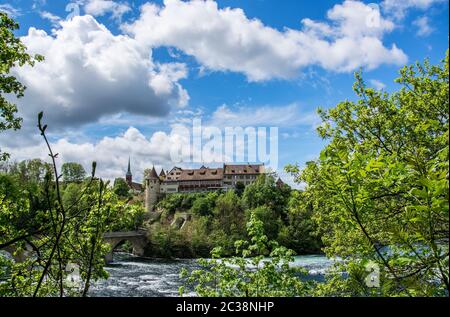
(204,179)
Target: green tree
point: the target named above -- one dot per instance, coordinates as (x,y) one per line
(73,172)
(270,219)
(264,192)
(70,193)
(170,204)
(239,188)
(229,213)
(63,233)
(31,171)
(380,187)
(247,273)
(121,188)
(204,204)
(12,54)
(300,233)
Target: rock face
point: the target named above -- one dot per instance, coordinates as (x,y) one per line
(180,220)
(153,217)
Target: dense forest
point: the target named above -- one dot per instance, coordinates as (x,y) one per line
(218,219)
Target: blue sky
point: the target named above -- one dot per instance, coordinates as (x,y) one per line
(120,77)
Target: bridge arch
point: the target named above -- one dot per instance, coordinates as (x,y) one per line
(138,240)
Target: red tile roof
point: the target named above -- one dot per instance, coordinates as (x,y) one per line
(201,174)
(243,169)
(136,186)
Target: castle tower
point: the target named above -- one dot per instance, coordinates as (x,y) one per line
(129,176)
(162,175)
(152,190)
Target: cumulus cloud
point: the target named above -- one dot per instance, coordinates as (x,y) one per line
(102,7)
(226,40)
(88,73)
(110,153)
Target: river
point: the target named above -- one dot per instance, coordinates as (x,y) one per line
(132,276)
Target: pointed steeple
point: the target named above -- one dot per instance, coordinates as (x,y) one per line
(128,175)
(129,167)
(279,182)
(152,174)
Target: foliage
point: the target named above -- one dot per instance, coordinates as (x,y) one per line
(264,192)
(271,221)
(204,205)
(170,203)
(121,188)
(13,53)
(125,216)
(248,273)
(29,172)
(228,213)
(73,172)
(218,218)
(380,187)
(165,241)
(301,231)
(56,229)
(239,188)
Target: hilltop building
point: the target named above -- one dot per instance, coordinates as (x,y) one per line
(204,179)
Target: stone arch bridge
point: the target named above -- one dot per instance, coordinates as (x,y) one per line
(138,240)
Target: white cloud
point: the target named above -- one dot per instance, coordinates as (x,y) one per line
(54,19)
(9,10)
(293,135)
(399,9)
(102,7)
(110,153)
(226,40)
(283,116)
(89,73)
(423,26)
(377,84)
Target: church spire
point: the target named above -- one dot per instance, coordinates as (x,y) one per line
(129,176)
(129,167)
